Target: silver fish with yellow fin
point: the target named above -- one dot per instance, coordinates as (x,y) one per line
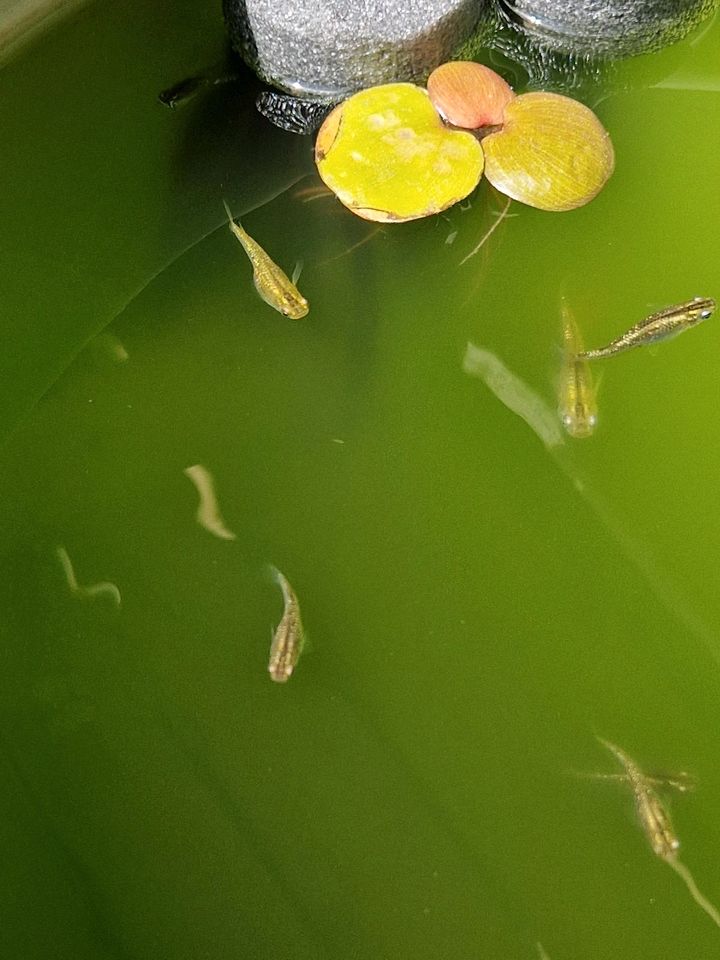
(287,643)
(577,406)
(658,326)
(273,285)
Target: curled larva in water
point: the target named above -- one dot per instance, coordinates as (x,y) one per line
(208,511)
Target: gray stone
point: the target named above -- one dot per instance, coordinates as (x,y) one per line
(610,28)
(329,48)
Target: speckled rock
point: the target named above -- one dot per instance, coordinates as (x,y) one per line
(329,48)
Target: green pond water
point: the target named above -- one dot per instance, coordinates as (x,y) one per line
(482,600)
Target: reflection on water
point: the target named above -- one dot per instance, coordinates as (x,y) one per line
(514,393)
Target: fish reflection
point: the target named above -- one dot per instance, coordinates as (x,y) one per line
(287,643)
(208,511)
(577,405)
(659,326)
(656,824)
(92,590)
(514,393)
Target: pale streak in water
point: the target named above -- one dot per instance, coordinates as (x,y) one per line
(355,246)
(297,271)
(541,952)
(702,901)
(514,393)
(531,408)
(208,512)
(486,236)
(94,589)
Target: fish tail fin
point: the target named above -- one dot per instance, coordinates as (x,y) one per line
(278,577)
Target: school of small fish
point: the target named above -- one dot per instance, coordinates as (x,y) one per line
(577,411)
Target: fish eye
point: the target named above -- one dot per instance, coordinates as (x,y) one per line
(705,314)
(592,420)
(567,420)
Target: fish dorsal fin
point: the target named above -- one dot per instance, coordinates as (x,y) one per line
(658,315)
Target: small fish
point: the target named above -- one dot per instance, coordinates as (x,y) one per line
(656,823)
(179,93)
(577,406)
(287,643)
(274,286)
(659,326)
(654,818)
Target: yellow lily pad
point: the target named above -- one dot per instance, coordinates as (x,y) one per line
(552,152)
(387,155)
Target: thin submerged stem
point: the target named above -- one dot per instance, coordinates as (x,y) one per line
(493,227)
(682,871)
(355,246)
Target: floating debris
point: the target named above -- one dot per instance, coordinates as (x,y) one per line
(208,512)
(577,405)
(93,590)
(287,643)
(659,326)
(655,821)
(273,285)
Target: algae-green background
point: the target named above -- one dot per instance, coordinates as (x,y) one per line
(479,608)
